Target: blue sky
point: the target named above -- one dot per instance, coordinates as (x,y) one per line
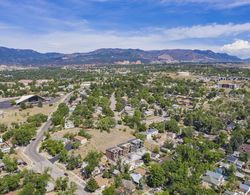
(84,25)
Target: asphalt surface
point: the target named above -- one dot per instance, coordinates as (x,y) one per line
(40,163)
(5,104)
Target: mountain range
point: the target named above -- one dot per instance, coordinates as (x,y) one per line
(27,57)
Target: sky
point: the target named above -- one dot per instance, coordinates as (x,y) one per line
(84,25)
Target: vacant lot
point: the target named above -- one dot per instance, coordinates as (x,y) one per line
(101,141)
(10,116)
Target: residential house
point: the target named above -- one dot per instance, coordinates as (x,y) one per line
(239,175)
(150,133)
(230,193)
(236,154)
(80,139)
(136,144)
(155,156)
(69,124)
(213,178)
(148,113)
(245,148)
(171,135)
(228,86)
(5,148)
(62,139)
(127,187)
(136,177)
(244,188)
(128,109)
(141,171)
(234,160)
(231,126)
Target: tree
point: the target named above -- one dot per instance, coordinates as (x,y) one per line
(27,189)
(106,123)
(61,184)
(59,115)
(146,158)
(93,158)
(156,149)
(63,187)
(187,132)
(9,183)
(10,163)
(34,183)
(73,162)
(53,147)
(63,156)
(88,123)
(3,128)
(109,190)
(172,126)
(92,185)
(37,119)
(118,181)
(157,176)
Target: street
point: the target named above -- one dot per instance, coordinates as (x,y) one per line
(40,163)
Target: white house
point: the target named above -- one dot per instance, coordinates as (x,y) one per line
(136,177)
(69,124)
(150,133)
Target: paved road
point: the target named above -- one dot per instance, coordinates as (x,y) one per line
(40,163)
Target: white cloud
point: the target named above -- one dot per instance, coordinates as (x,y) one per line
(207,31)
(219,4)
(239,47)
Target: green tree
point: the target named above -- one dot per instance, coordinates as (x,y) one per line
(92,185)
(156,176)
(27,189)
(10,163)
(109,190)
(146,158)
(172,126)
(106,123)
(61,184)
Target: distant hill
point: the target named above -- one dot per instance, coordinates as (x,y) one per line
(111,56)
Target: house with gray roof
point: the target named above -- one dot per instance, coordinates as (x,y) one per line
(213,178)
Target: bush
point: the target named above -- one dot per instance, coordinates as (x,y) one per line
(83,133)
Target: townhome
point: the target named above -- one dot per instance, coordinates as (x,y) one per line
(114,153)
(126,148)
(136,144)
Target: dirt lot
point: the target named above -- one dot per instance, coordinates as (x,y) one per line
(101,141)
(10,116)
